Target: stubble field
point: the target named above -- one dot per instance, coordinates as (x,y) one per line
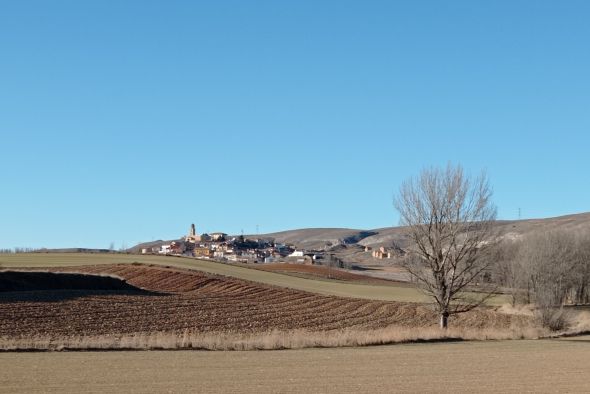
(543,366)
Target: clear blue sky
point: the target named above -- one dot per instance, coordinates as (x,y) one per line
(125,121)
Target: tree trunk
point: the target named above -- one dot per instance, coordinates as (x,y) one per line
(528,293)
(444,320)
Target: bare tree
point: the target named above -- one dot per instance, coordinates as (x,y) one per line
(580,292)
(558,271)
(449,219)
(510,270)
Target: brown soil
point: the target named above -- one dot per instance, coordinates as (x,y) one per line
(317,271)
(550,366)
(182,300)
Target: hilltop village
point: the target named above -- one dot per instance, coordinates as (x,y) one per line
(222,247)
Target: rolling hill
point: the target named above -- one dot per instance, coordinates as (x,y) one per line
(315,238)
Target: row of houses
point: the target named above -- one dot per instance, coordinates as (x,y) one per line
(220,246)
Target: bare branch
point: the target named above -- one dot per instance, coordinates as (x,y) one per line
(449,218)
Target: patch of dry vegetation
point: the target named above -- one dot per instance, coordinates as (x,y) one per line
(272,340)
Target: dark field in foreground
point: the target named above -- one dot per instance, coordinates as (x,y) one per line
(468,367)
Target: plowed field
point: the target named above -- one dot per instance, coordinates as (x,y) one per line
(323,272)
(179,300)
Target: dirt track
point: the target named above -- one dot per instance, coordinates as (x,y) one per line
(201,302)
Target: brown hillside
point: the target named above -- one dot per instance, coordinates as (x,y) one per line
(317,238)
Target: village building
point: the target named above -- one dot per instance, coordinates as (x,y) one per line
(203,252)
(177,247)
(192,236)
(218,237)
(297,253)
(205,237)
(381,253)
